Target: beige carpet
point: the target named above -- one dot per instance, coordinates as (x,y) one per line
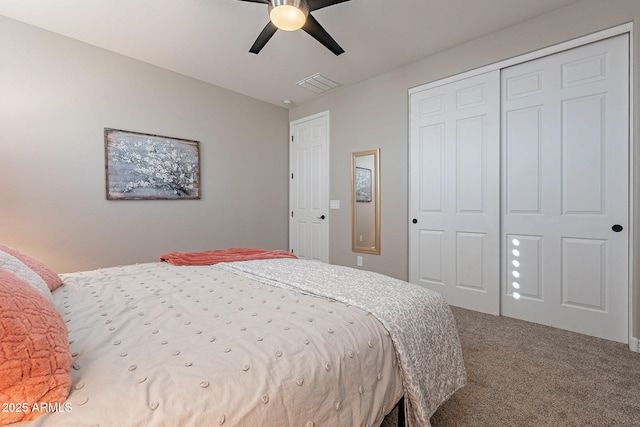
(524,374)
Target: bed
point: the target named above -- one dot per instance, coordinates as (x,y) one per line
(257,342)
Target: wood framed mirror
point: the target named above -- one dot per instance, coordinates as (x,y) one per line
(365,201)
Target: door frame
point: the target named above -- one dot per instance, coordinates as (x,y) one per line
(326,177)
(634,340)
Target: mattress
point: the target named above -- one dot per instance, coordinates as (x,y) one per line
(256,343)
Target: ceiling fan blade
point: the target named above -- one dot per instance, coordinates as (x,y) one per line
(267,32)
(256,1)
(319,4)
(315,30)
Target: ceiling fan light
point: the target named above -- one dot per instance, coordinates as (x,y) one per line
(288,15)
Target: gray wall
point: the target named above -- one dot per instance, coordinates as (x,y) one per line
(56,97)
(375,114)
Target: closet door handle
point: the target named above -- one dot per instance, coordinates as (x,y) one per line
(617,228)
(415,221)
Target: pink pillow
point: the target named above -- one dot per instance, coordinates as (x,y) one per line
(52,280)
(35,360)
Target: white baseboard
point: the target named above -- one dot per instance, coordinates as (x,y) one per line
(634,344)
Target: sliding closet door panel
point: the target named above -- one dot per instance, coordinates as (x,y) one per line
(565,185)
(454,191)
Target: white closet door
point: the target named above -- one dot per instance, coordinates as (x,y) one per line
(455,191)
(565,189)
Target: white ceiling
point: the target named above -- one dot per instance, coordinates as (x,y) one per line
(209,39)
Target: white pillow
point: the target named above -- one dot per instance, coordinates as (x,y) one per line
(16,267)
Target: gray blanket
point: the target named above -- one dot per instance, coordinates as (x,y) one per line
(420,322)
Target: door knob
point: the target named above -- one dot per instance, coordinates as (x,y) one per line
(415,221)
(321,217)
(617,228)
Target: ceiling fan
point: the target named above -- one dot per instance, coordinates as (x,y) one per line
(291,15)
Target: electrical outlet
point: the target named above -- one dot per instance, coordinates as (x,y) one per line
(359,261)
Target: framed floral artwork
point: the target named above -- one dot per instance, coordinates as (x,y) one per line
(140,166)
(363,184)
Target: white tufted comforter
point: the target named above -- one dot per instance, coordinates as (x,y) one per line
(160,345)
(420,322)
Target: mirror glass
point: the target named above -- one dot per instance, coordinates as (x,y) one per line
(365,201)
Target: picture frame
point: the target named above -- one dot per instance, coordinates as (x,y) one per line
(363,184)
(142,166)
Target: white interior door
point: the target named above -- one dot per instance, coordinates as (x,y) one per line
(565,188)
(309,189)
(454,237)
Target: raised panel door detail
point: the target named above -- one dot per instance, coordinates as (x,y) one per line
(316,192)
(301,240)
(524,85)
(316,241)
(318,131)
(523,141)
(431,257)
(584,273)
(584,71)
(471,261)
(302,162)
(432,106)
(431,155)
(471,96)
(471,158)
(583,163)
(302,135)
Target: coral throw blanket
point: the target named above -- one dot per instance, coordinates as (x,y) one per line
(223,255)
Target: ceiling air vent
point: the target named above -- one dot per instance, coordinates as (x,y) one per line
(318,83)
